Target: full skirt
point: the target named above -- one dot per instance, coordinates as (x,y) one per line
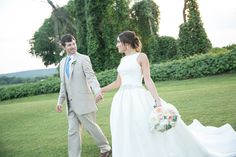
(131,135)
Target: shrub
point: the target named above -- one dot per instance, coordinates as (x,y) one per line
(230,47)
(167,47)
(106,77)
(50,85)
(218,50)
(195,66)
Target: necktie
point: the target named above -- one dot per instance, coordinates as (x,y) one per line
(68,67)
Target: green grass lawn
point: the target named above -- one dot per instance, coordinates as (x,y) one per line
(30,127)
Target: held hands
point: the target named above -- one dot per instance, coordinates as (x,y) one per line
(99,96)
(59,108)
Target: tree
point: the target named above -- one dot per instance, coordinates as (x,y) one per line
(95,24)
(63,23)
(122,15)
(99,23)
(45,41)
(184,10)
(192,36)
(167,48)
(81,24)
(44,44)
(146,17)
(115,20)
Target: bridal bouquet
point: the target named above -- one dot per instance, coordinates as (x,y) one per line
(163,118)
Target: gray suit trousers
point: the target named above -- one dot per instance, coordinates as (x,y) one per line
(76,123)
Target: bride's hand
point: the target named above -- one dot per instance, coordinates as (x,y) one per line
(157,103)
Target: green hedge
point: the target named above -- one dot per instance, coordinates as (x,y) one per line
(50,85)
(191,67)
(195,66)
(167,48)
(106,77)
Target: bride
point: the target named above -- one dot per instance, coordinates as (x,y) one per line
(132,105)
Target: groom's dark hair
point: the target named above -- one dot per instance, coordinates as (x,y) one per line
(66,38)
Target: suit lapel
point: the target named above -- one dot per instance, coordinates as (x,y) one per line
(63,70)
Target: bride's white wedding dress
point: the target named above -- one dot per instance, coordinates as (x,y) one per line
(131,136)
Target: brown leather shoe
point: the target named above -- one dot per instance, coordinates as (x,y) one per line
(106,154)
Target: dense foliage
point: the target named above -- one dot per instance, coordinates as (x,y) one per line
(146,18)
(195,66)
(44,45)
(97,25)
(167,48)
(45,42)
(99,22)
(28,89)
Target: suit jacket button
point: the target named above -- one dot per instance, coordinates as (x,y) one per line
(70,99)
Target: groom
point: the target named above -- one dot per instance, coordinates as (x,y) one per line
(77,78)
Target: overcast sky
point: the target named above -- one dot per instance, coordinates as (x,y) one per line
(21,18)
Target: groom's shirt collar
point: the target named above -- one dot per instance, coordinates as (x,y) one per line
(71,56)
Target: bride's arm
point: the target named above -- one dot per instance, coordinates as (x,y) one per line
(143,61)
(114,85)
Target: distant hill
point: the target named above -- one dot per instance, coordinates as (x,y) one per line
(32,73)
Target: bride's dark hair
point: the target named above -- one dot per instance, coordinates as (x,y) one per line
(130,37)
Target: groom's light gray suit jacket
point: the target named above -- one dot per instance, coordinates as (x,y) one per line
(77,89)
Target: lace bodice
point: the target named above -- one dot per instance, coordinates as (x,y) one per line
(130,71)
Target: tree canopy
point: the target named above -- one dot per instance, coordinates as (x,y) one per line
(96,24)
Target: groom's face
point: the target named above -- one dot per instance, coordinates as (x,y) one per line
(71,47)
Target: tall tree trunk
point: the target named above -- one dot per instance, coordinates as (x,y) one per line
(184,10)
(62,21)
(150,26)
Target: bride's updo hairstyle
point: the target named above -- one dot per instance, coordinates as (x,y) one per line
(129,37)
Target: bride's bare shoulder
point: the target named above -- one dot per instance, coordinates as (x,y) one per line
(142,56)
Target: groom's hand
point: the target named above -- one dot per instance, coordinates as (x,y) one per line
(99,97)
(59,108)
